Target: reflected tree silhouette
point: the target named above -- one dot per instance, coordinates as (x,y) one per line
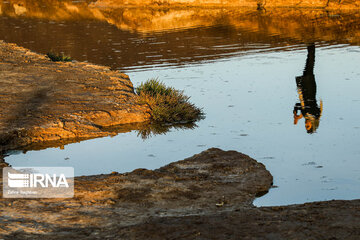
(306,87)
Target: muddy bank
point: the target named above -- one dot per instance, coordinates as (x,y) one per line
(207,196)
(43,101)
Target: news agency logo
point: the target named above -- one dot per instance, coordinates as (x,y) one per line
(38,182)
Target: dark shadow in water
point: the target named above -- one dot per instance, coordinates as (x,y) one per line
(306,87)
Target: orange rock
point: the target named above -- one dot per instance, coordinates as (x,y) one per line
(40,103)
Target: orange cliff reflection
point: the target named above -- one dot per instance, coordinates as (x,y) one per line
(260,4)
(138,37)
(306,86)
(302,25)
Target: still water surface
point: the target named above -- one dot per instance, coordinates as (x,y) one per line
(244,79)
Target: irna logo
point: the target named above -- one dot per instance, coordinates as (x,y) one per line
(16,180)
(38,182)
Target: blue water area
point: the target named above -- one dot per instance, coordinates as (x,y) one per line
(248,97)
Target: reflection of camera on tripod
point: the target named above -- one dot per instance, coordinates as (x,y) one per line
(306,87)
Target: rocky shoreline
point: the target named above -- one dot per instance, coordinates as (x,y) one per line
(44,102)
(207,196)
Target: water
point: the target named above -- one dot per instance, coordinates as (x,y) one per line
(244,79)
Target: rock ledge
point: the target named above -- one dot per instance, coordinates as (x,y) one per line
(43,101)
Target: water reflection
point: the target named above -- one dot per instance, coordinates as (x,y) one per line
(131,39)
(144,130)
(306,86)
(150,129)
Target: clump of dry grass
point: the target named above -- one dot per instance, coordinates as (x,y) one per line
(167,104)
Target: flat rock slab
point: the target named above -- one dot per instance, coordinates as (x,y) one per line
(207,196)
(211,182)
(43,101)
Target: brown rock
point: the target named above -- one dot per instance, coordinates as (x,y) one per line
(192,186)
(207,196)
(43,101)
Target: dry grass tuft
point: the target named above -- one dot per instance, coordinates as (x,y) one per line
(167,104)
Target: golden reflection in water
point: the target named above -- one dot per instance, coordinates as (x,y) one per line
(289,26)
(144,130)
(306,86)
(299,25)
(133,38)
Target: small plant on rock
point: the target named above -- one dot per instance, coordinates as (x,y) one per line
(58,57)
